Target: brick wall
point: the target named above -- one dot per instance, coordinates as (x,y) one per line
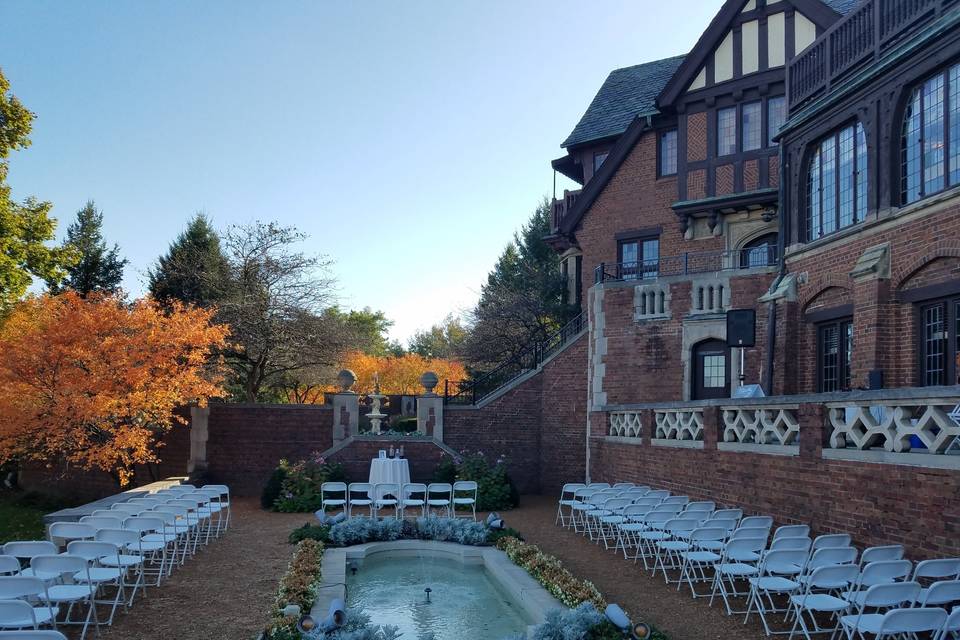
(697,136)
(540,424)
(877,504)
(923,250)
(246,441)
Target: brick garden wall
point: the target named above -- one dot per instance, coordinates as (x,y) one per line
(876,503)
(247,440)
(422,457)
(539,424)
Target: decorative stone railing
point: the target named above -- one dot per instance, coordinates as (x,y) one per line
(625,424)
(683,424)
(651,301)
(923,424)
(764,425)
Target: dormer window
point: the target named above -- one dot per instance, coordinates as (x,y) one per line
(598,159)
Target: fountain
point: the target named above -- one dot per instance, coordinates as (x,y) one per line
(375,416)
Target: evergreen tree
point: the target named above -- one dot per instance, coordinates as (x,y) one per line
(97,269)
(522,300)
(194,268)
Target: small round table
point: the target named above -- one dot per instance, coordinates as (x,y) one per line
(388,470)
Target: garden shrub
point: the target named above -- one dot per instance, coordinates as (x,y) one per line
(318,532)
(300,487)
(297,586)
(495,490)
(496,534)
(271,491)
(405,425)
(360,530)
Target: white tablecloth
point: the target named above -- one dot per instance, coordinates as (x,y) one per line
(394,470)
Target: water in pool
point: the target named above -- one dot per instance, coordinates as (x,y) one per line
(464,603)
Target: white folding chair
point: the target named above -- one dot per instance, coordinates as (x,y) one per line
(567,493)
(878,573)
(757,521)
(940,593)
(387,495)
(739,561)
(631,526)
(465,495)
(676,500)
(906,623)
(21,589)
(701,506)
(778,575)
(153,542)
(102,574)
(705,544)
(130,557)
(830,540)
(9,566)
(879,596)
(26,550)
(439,495)
(414,498)
(792,531)
(669,550)
(69,531)
(793,543)
(223,491)
(951,626)
(103,522)
(728,514)
(817,601)
(79,591)
(360,494)
(880,554)
(333,494)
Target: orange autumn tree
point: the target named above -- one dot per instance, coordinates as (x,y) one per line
(400,374)
(94,382)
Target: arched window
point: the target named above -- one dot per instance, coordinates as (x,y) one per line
(930,138)
(837,182)
(759,252)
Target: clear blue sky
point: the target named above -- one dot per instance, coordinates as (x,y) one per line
(408,139)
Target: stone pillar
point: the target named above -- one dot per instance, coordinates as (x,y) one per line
(346,408)
(871,298)
(814,430)
(199,433)
(712,427)
(430,408)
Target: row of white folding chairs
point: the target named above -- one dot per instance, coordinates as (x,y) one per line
(414,497)
(735,548)
(163,524)
(32,596)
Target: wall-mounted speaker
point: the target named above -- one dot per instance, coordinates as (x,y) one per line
(741,327)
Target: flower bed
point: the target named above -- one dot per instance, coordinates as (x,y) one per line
(550,572)
(296,487)
(297,586)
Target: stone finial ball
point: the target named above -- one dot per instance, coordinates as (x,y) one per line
(429,380)
(346,379)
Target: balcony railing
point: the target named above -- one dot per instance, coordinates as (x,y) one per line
(858,38)
(688,263)
(560,208)
(529,359)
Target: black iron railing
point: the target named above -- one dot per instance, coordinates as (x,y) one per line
(856,39)
(688,263)
(529,359)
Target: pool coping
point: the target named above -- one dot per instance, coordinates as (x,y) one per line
(518,585)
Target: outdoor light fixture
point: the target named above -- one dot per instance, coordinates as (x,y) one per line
(494,521)
(336,617)
(618,618)
(306,624)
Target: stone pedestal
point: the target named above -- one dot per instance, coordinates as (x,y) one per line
(430,416)
(346,416)
(199,432)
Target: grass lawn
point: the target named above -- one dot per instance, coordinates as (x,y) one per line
(19,521)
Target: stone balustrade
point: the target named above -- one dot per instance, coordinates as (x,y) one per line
(679,424)
(766,425)
(626,424)
(924,424)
